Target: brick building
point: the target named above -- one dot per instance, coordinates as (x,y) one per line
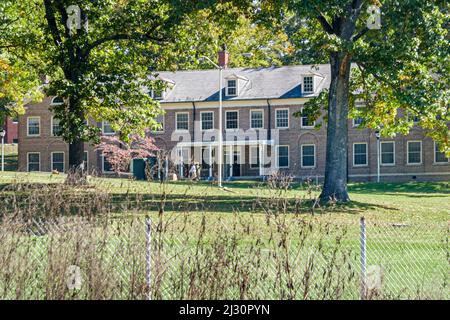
(11,127)
(260,132)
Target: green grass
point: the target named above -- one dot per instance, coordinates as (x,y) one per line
(399,202)
(409,255)
(11,157)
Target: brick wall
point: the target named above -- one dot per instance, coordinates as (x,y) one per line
(295,136)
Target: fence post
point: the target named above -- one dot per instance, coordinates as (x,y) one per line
(148,257)
(363,258)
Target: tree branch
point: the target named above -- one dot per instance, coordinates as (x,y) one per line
(122,36)
(360,34)
(323,21)
(51,22)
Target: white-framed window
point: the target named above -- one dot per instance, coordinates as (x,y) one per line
(106,128)
(86,160)
(439,157)
(282,118)
(56,101)
(182,121)
(57,159)
(207,120)
(106,166)
(56,128)
(254,157)
(308,156)
(308,84)
(357,121)
(157,94)
(231,119)
(305,123)
(414,152)
(387,153)
(33,126)
(160,120)
(33,161)
(232,89)
(360,154)
(282,156)
(256,119)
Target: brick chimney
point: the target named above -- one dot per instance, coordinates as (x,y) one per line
(224,57)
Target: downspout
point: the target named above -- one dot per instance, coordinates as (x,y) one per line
(194,113)
(269,115)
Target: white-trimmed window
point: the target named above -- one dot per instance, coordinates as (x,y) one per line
(387,153)
(305,123)
(157,94)
(256,119)
(439,157)
(33,126)
(308,84)
(57,161)
(357,121)
(106,166)
(182,121)
(33,161)
(160,121)
(57,101)
(232,89)
(232,119)
(308,155)
(106,128)
(414,152)
(254,157)
(282,156)
(56,127)
(360,154)
(207,120)
(282,118)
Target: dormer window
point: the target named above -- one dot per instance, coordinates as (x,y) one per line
(56,101)
(308,84)
(232,87)
(157,94)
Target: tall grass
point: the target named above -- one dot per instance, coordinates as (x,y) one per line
(286,253)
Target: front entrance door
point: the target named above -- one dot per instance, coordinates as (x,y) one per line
(236,164)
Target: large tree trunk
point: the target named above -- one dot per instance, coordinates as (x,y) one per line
(335,185)
(76,172)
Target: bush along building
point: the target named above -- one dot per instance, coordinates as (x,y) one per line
(260,133)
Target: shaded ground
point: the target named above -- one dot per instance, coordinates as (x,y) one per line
(417,201)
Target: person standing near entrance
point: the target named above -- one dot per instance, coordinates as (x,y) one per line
(193,172)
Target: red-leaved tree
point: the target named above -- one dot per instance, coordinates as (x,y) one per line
(119,153)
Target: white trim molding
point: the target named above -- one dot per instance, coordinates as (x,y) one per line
(301,156)
(407,153)
(367,155)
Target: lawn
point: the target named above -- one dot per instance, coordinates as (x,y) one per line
(250,240)
(393,202)
(11,155)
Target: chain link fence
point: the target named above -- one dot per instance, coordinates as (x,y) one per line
(243,257)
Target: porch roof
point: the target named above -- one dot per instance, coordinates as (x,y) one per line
(225,143)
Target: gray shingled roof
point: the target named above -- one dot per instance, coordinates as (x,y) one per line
(264,83)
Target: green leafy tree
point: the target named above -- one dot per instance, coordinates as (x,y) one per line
(403,66)
(101,57)
(19,81)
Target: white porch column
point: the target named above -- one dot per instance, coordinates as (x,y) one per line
(210,162)
(167,168)
(181,163)
(159,165)
(260,149)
